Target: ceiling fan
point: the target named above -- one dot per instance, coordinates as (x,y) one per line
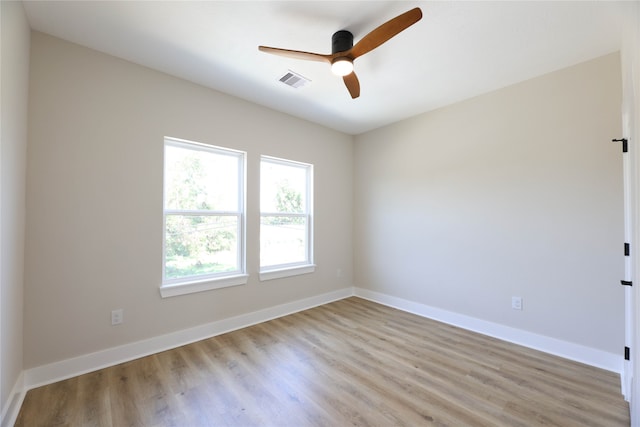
(343,52)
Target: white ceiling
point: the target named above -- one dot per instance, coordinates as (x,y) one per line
(458,50)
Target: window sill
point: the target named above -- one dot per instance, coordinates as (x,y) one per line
(204,285)
(287,272)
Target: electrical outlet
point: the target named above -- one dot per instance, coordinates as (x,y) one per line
(117,316)
(516,303)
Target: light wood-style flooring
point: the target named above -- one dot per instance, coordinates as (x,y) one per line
(351,362)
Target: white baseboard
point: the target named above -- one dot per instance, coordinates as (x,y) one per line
(69,368)
(12,407)
(576,352)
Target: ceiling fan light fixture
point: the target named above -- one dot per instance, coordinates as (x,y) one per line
(342,66)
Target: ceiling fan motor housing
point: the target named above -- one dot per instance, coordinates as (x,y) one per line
(341,41)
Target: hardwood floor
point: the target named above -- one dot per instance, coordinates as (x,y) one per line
(351,362)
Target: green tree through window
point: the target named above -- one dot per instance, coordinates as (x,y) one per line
(202,215)
(285,214)
(288,200)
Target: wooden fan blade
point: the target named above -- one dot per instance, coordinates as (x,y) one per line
(296,54)
(353,85)
(384,32)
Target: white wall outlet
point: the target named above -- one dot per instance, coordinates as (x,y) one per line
(117,316)
(516,303)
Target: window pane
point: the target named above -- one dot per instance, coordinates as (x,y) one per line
(200,180)
(283,240)
(197,245)
(283,188)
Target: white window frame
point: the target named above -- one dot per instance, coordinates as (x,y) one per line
(296,268)
(204,282)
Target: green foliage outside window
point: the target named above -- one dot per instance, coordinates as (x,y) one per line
(196,244)
(288,200)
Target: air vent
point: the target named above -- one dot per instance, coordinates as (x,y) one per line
(294,80)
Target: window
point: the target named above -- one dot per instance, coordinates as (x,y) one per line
(286,224)
(203,246)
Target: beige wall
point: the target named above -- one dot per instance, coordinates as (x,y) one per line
(94,200)
(514,193)
(13,147)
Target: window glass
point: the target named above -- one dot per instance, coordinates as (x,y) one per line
(283,188)
(203,212)
(285,217)
(201,179)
